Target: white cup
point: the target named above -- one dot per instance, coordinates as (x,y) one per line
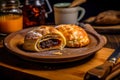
(66,15)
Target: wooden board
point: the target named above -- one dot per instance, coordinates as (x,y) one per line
(69,71)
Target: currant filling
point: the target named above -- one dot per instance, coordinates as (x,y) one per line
(49,43)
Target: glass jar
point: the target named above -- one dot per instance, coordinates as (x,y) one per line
(34,12)
(11,19)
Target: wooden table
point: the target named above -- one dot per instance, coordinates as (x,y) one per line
(15,68)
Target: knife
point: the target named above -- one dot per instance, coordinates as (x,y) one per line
(102,71)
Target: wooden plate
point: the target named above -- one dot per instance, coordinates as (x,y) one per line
(107,29)
(14,41)
(103,28)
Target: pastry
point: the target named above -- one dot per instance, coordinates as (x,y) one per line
(75,35)
(44,38)
(108,17)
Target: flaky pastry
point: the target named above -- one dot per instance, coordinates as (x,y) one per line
(44,38)
(75,35)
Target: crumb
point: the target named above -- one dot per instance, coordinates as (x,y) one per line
(58,53)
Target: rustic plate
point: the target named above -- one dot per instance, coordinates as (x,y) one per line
(107,29)
(103,28)
(14,41)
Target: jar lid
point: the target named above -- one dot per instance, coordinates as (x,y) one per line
(8,3)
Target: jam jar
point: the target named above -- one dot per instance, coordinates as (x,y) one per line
(34,12)
(11,19)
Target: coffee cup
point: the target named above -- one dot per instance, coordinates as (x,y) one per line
(63,14)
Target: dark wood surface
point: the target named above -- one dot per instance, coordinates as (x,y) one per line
(113,40)
(12,67)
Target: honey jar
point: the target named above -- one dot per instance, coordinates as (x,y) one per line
(11,19)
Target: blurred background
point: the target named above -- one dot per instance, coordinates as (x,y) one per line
(92,7)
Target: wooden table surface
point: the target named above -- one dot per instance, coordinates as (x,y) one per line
(15,68)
